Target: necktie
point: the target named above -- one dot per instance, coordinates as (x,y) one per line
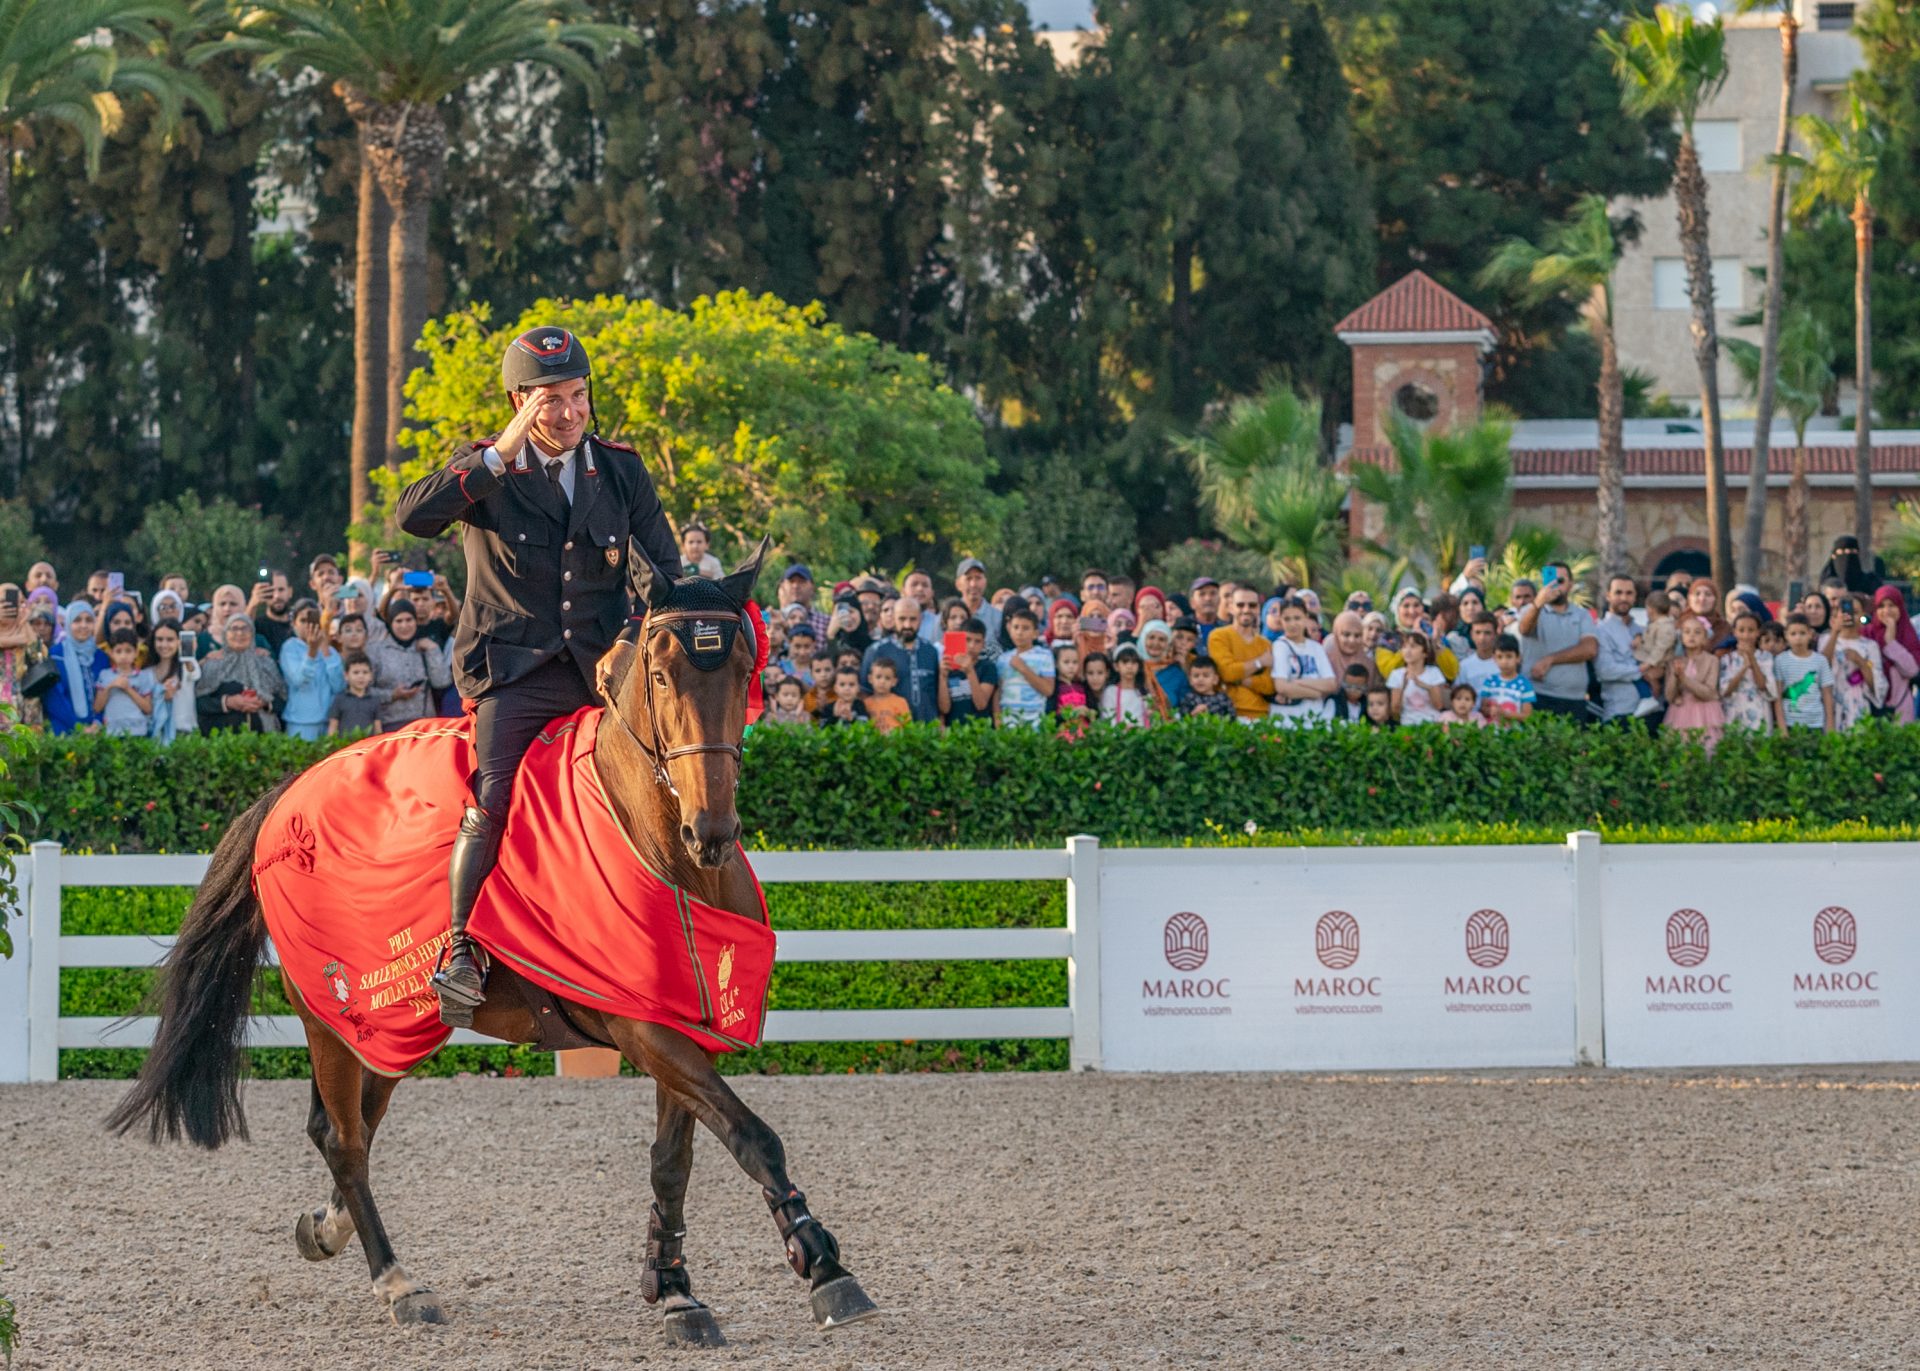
(553,479)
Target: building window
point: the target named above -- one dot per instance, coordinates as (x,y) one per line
(1833,16)
(1670,283)
(1718,143)
(1416,402)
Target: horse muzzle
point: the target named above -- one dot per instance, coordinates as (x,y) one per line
(710,839)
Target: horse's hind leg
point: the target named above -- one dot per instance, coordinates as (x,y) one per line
(324,1232)
(353,1106)
(680,1065)
(665,1280)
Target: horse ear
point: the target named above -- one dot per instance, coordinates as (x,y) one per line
(654,583)
(738,583)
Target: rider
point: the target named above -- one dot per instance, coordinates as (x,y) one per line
(553,516)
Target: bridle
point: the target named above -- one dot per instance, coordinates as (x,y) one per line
(656,751)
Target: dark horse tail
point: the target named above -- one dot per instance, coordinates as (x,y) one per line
(191,1081)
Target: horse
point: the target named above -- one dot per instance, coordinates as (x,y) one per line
(669,759)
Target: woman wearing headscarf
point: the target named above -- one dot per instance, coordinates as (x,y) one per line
(1119,629)
(1062,615)
(120,615)
(1845,564)
(1165,679)
(80,662)
(409,663)
(239,686)
(1150,604)
(1819,612)
(1270,619)
(1899,648)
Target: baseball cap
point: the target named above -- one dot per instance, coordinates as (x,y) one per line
(1199,581)
(1186,623)
(970,564)
(798,569)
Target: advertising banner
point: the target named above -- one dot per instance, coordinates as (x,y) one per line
(1761,955)
(1287,959)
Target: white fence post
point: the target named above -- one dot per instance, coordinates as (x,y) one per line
(1083,959)
(1589,1011)
(14,983)
(43,965)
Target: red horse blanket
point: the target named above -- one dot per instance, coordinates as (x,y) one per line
(351,869)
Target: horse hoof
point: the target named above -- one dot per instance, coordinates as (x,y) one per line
(840,1302)
(306,1237)
(695,1327)
(422,1306)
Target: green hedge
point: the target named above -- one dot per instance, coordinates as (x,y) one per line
(977,787)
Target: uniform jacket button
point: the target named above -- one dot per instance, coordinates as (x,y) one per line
(523,537)
(566,575)
(569,545)
(566,604)
(567,633)
(610,540)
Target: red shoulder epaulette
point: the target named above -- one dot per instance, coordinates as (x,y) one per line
(617,447)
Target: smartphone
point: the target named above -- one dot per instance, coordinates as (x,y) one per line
(392,554)
(1549,576)
(11,598)
(264,575)
(189,644)
(953,644)
(418,578)
(1478,552)
(116,582)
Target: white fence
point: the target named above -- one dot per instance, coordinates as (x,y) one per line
(1294,959)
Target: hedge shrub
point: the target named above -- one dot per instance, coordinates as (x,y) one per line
(979,787)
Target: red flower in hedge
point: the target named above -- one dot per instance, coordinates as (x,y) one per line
(152,803)
(1878,779)
(1373,790)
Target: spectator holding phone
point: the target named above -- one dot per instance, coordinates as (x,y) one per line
(175,676)
(968,681)
(18,644)
(1557,640)
(408,663)
(1859,671)
(313,673)
(240,688)
(270,603)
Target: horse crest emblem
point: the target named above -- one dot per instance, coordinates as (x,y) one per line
(726,965)
(334,973)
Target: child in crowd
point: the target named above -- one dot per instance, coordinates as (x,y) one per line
(1693,684)
(1379,707)
(1186,641)
(1806,678)
(802,648)
(1749,693)
(123,694)
(820,686)
(1655,645)
(845,706)
(1125,701)
(1463,704)
(1096,670)
(1773,638)
(1070,692)
(1205,695)
(789,704)
(1859,671)
(356,709)
(1026,672)
(1506,697)
(1350,705)
(968,682)
(1419,687)
(885,707)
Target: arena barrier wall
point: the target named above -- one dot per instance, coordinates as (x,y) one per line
(1283,959)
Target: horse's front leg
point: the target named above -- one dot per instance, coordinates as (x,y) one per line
(666,1282)
(680,1066)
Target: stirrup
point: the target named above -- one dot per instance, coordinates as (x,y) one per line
(460,994)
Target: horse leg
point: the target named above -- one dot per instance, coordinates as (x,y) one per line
(679,1065)
(325,1231)
(665,1280)
(353,1106)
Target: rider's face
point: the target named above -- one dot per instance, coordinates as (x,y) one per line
(562,420)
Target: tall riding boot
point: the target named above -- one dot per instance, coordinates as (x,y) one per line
(461,978)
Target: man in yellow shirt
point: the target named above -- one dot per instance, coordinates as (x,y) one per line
(1245,658)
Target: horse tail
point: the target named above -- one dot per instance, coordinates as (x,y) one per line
(191,1080)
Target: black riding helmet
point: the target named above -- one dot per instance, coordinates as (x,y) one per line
(542,356)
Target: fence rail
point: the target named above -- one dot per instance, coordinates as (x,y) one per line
(33,1031)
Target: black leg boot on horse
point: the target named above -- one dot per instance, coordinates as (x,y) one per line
(461,978)
(814,1255)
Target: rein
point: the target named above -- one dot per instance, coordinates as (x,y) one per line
(657,752)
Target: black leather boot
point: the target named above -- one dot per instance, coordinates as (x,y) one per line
(461,977)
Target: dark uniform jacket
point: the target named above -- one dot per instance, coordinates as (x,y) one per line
(542,577)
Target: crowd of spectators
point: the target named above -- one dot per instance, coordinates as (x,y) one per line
(346,655)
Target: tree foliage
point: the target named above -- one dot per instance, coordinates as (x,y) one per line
(752,414)
(209,542)
(1446,490)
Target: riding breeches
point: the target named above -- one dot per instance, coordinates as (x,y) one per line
(506,721)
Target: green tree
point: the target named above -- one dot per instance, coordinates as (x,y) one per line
(1803,365)
(1839,169)
(210,542)
(1063,517)
(1445,491)
(56,70)
(1575,261)
(1670,64)
(393,66)
(1769,362)
(20,546)
(1262,476)
(758,416)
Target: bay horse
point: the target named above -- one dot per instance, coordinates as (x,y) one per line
(670,769)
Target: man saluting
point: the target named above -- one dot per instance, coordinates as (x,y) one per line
(551,513)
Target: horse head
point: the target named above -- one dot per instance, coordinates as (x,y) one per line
(684,696)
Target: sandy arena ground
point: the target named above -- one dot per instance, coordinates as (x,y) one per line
(1025,1222)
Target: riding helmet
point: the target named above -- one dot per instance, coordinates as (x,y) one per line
(542,356)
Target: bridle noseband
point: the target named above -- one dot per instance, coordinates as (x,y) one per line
(657,752)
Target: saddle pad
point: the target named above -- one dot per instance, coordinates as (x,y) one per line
(351,870)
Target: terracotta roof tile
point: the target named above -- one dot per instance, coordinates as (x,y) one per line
(1416,303)
(1823,459)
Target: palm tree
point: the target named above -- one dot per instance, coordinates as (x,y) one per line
(1262,477)
(1763,382)
(1838,169)
(1575,262)
(72,62)
(1446,491)
(1670,63)
(393,62)
(1803,374)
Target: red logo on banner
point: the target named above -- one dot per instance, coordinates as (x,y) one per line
(1186,942)
(1336,940)
(1486,937)
(1687,937)
(1835,936)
